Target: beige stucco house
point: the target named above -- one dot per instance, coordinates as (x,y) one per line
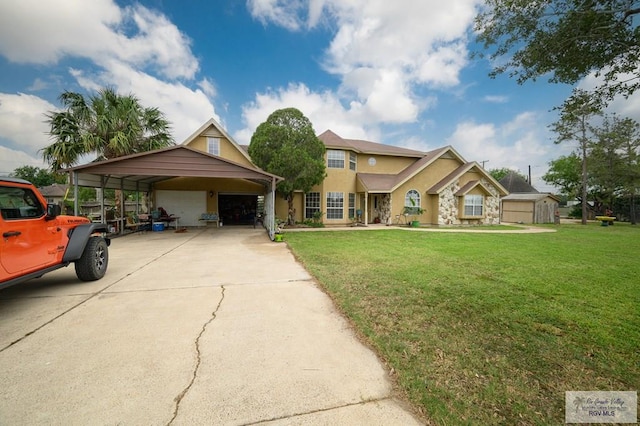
(367,182)
(378,181)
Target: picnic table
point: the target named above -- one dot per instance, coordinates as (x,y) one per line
(606,220)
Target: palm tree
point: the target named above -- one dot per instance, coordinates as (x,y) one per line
(106,124)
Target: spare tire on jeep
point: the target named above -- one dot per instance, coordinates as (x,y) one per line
(92,265)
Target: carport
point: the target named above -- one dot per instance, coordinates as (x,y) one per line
(141,172)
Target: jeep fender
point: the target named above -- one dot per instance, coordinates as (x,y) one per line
(78,238)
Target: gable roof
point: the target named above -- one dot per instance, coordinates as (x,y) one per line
(139,171)
(466,188)
(54,190)
(454,175)
(513,182)
(375,182)
(212,128)
(332,140)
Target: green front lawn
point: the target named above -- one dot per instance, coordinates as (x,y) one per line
(490,328)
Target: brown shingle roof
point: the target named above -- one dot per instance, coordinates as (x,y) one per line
(331,140)
(53,190)
(435,189)
(377,182)
(513,182)
(388,182)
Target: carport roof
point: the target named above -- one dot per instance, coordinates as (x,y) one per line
(138,172)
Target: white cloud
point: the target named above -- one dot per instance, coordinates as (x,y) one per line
(11,159)
(516,144)
(496,99)
(625,107)
(284,13)
(324,110)
(128,47)
(30,32)
(22,121)
(22,117)
(384,52)
(186,108)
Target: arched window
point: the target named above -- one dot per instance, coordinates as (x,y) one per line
(412,199)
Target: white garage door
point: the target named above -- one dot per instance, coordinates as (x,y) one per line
(188,205)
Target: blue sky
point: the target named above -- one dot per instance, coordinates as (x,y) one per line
(398,73)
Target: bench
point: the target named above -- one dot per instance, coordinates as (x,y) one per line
(207,218)
(606,220)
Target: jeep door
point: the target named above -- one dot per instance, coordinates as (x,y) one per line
(29,242)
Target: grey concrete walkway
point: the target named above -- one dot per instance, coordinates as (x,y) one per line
(207,327)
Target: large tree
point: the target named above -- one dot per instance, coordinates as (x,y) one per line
(617,160)
(106,124)
(565,174)
(565,40)
(38,176)
(575,125)
(606,166)
(286,145)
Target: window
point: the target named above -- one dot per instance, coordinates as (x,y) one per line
(352,205)
(335,159)
(213,146)
(352,161)
(311,204)
(335,205)
(19,203)
(412,201)
(473,205)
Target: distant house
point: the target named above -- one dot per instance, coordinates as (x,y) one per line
(525,204)
(54,193)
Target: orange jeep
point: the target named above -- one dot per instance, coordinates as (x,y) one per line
(37,239)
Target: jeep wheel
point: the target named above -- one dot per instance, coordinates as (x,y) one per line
(92,265)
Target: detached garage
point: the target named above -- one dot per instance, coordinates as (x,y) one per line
(529,208)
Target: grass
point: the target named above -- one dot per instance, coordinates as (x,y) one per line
(490,328)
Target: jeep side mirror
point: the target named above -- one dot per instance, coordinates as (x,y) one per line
(53,210)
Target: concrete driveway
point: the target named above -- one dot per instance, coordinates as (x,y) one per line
(207,327)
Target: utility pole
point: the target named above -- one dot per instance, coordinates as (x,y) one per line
(485,161)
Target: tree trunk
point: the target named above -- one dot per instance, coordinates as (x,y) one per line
(632,212)
(584,172)
(291,210)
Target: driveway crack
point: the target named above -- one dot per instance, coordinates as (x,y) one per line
(194,375)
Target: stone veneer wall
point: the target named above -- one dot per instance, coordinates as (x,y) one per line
(448,205)
(384,208)
(491,205)
(448,213)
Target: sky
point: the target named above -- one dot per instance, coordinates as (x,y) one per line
(395,72)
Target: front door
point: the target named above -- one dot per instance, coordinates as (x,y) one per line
(374,200)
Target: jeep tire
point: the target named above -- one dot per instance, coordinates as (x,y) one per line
(92,265)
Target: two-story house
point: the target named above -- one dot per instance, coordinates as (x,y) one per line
(366,181)
(373,183)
